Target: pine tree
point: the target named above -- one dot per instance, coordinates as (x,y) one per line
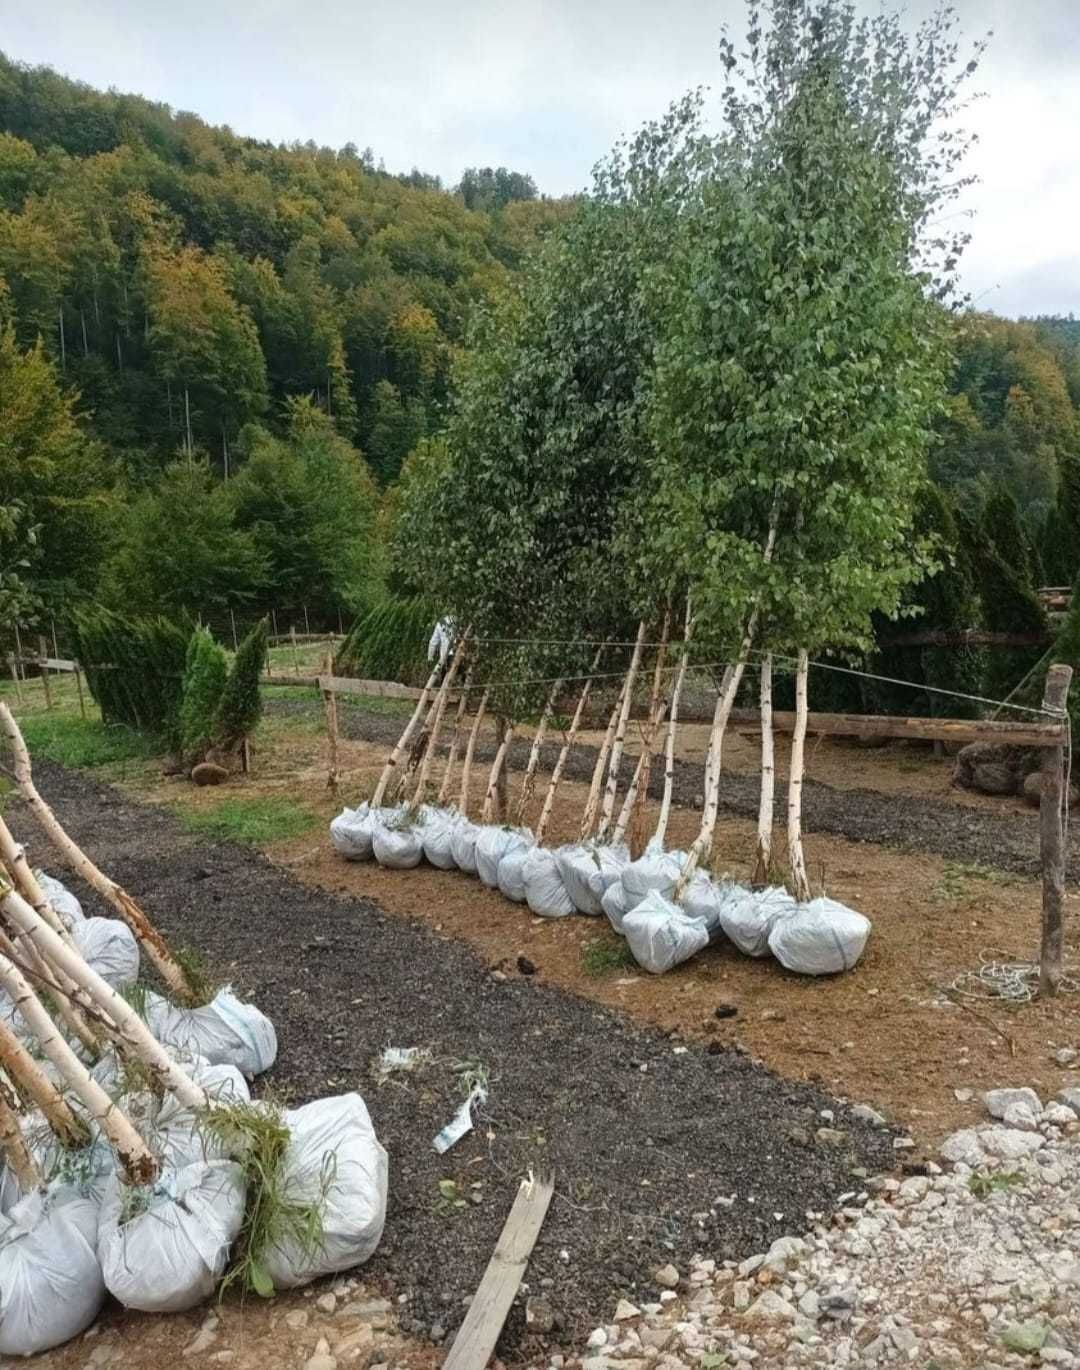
(1009,605)
(240,706)
(1005,534)
(205,675)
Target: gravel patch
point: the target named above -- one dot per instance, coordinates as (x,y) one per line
(659,1149)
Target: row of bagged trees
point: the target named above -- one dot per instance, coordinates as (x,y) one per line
(133,1161)
(709,403)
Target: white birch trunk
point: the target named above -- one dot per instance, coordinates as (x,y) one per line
(455,739)
(436,721)
(151,941)
(608,808)
(673,718)
(592,803)
(34,1087)
(406,737)
(639,785)
(136,1161)
(766,803)
(94,994)
(529,778)
(800,885)
(494,775)
(560,764)
(470,749)
(14,1148)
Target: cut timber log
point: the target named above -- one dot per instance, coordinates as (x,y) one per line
(1053,807)
(478,1334)
(1027,734)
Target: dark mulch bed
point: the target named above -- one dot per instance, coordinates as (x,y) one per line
(910,823)
(642,1140)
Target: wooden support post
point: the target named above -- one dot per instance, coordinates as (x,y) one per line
(78,686)
(307,623)
(1052,809)
(43,652)
(330,700)
(295,649)
(19,652)
(483,1322)
(55,648)
(15,676)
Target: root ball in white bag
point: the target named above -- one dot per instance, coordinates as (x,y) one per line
(226,1031)
(588,870)
(351,833)
(108,946)
(822,937)
(492,845)
(661,935)
(398,845)
(437,837)
(66,907)
(51,1285)
(545,892)
(333,1160)
(463,845)
(749,920)
(164,1249)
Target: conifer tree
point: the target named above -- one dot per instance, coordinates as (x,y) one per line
(240,706)
(205,674)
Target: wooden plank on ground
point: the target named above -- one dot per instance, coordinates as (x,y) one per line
(477,1335)
(1026,734)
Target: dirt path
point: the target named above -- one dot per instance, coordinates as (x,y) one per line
(645,1135)
(959,832)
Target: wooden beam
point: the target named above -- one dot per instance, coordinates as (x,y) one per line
(1053,805)
(379,689)
(968,637)
(1026,734)
(477,1335)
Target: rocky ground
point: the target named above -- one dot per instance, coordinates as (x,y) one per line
(975,1262)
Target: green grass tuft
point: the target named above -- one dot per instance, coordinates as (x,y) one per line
(83,742)
(982,1186)
(259,820)
(255,1135)
(604,954)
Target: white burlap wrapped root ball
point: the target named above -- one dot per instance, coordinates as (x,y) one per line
(108,946)
(492,845)
(512,870)
(545,892)
(351,832)
(226,1031)
(463,845)
(170,1252)
(438,838)
(398,843)
(333,1152)
(748,920)
(51,1284)
(66,907)
(661,935)
(655,869)
(822,937)
(588,870)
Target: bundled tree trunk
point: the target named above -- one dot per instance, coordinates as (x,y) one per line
(436,720)
(800,884)
(403,741)
(529,778)
(95,995)
(151,941)
(610,790)
(660,831)
(35,1088)
(568,742)
(493,801)
(455,739)
(633,803)
(766,803)
(135,1159)
(470,749)
(592,803)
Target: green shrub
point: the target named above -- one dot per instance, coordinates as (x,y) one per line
(240,706)
(135,669)
(389,641)
(205,675)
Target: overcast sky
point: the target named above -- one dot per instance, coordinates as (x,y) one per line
(545,86)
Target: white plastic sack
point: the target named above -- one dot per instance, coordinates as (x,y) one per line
(661,935)
(51,1286)
(655,869)
(705,898)
(512,870)
(225,1031)
(169,1255)
(437,837)
(351,833)
(66,907)
(819,938)
(748,920)
(463,845)
(333,1150)
(399,848)
(109,947)
(588,870)
(545,892)
(492,845)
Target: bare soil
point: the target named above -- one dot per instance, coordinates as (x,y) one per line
(644,1133)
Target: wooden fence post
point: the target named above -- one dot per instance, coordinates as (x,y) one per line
(78,686)
(19,652)
(295,650)
(43,652)
(1053,806)
(15,676)
(330,700)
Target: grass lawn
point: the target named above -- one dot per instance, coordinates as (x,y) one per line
(260,819)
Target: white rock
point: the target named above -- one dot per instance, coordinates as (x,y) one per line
(1071,1097)
(1009,1143)
(867,1114)
(809,1304)
(326,1303)
(1058,1114)
(1021,1115)
(667,1277)
(751,1266)
(912,1190)
(741,1295)
(783,1252)
(597,1338)
(624,1309)
(1065,1056)
(770,1307)
(998,1100)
